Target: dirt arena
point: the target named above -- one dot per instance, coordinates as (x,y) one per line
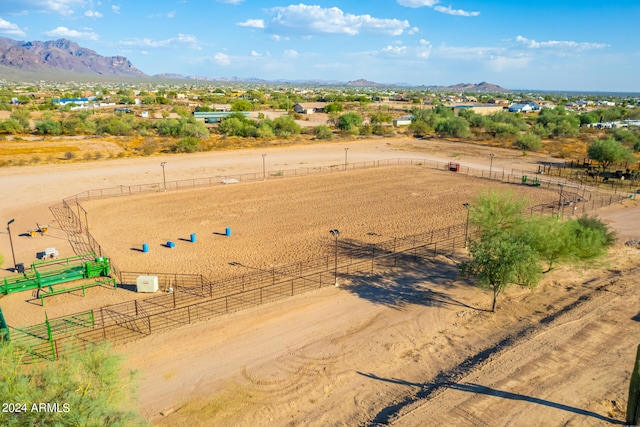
(409,347)
(281,222)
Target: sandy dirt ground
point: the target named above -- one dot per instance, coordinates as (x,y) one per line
(409,346)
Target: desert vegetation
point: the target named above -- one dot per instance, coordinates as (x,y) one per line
(32,114)
(510,248)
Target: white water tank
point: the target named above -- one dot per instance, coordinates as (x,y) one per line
(147,284)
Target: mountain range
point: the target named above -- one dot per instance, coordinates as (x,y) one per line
(63,58)
(62,55)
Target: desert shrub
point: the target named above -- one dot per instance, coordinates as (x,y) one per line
(334,107)
(420,129)
(89,388)
(69,155)
(148,148)
(529,141)
(187,145)
(349,122)
(456,127)
(323,132)
(48,127)
(285,125)
(11,126)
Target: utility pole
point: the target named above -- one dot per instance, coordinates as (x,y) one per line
(345,158)
(164,180)
(336,234)
(11,243)
(264,170)
(467,206)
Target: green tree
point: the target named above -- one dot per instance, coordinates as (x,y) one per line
(89,385)
(334,107)
(501,260)
(349,122)
(509,248)
(455,127)
(241,105)
(502,254)
(608,151)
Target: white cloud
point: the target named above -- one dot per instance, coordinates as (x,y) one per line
(66,32)
(116,9)
(456,12)
(254,53)
(290,53)
(92,14)
(503,63)
(307,20)
(171,14)
(394,50)
(7,27)
(222,58)
(469,53)
(180,40)
(423,51)
(559,44)
(434,4)
(418,3)
(413,30)
(253,23)
(62,7)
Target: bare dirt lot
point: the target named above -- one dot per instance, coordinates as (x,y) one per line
(411,346)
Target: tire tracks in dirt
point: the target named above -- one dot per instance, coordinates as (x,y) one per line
(517,350)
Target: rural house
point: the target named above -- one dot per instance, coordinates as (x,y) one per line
(309,107)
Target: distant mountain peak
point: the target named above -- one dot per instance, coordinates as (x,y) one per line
(478,87)
(62,55)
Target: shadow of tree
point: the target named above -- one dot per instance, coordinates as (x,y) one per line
(426,389)
(403,278)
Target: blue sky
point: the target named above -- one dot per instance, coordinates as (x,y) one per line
(545,45)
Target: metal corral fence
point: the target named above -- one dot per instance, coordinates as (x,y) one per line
(190,298)
(574,198)
(498,174)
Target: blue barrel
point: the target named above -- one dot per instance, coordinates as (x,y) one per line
(227,232)
(170,244)
(145,247)
(193,237)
